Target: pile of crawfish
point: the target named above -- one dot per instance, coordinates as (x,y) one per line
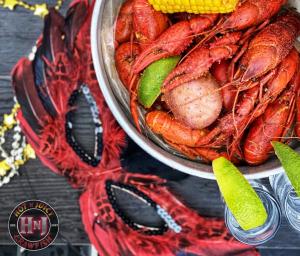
(248,53)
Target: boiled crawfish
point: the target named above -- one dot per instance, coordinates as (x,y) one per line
(248,14)
(174,40)
(180,136)
(274,124)
(124,24)
(267,50)
(125,55)
(256,67)
(179,36)
(257,78)
(138,19)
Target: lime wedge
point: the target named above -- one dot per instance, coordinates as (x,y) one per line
(290,161)
(240,197)
(152,79)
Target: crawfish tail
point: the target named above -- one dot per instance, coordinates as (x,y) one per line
(297,85)
(124,23)
(269,126)
(172,130)
(148,24)
(210,154)
(201,22)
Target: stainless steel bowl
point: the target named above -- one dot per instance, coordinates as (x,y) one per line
(116,96)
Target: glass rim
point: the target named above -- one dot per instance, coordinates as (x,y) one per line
(289,190)
(227,213)
(285,206)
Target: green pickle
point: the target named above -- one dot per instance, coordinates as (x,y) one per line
(152,79)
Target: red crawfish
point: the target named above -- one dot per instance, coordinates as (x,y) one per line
(267,50)
(174,40)
(274,124)
(125,55)
(138,19)
(220,72)
(250,106)
(181,137)
(249,13)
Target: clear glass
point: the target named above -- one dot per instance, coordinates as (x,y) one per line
(289,201)
(263,233)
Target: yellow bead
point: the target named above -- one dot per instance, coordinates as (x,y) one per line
(41,10)
(10,4)
(2,172)
(19,163)
(2,131)
(16,108)
(9,121)
(29,152)
(4,167)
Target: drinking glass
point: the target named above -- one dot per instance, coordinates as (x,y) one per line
(288,199)
(263,233)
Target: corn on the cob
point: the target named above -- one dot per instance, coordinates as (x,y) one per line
(194,6)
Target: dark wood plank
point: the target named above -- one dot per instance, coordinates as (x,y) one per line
(19,32)
(276,252)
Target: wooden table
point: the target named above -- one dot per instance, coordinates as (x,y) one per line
(18,32)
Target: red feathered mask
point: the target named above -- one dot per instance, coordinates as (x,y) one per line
(47,89)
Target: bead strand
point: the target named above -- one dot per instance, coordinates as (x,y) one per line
(110,186)
(84,156)
(19,154)
(168,219)
(40,10)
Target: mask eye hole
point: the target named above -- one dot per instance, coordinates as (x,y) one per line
(90,149)
(157,222)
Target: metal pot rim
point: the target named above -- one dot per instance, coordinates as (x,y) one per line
(176,162)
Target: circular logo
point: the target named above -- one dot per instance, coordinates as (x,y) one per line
(33,225)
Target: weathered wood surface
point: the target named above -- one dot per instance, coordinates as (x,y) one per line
(18,32)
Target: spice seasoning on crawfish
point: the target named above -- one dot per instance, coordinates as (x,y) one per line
(241,64)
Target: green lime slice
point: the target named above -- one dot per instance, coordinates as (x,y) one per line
(240,197)
(290,161)
(152,79)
